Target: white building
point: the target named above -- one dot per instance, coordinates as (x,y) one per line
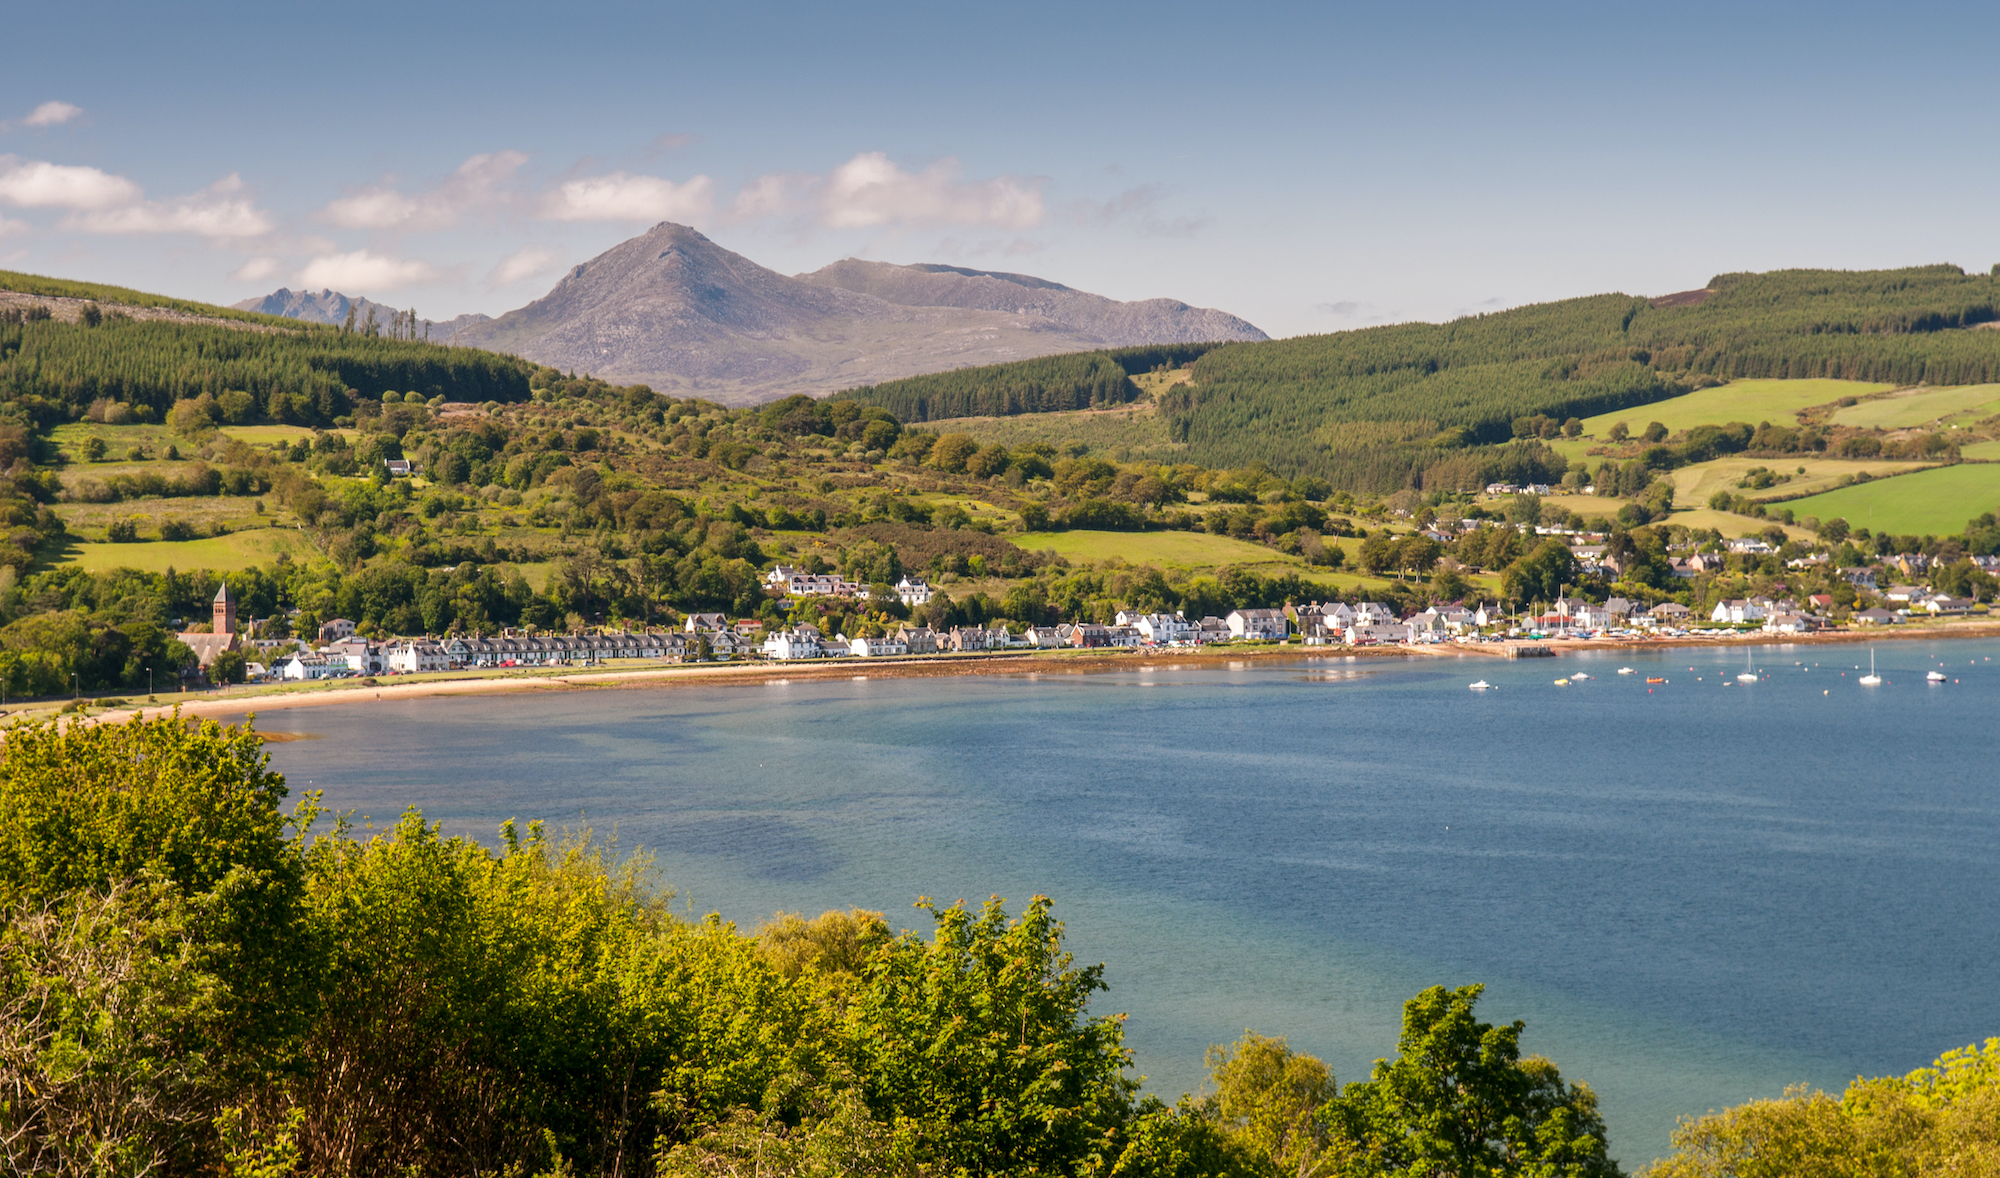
(788,645)
(417,655)
(913,591)
(872,648)
(1258,623)
(1163,629)
(310,666)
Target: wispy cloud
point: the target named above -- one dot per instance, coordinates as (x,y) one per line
(523,263)
(364,270)
(257,270)
(480,182)
(1135,207)
(52,114)
(871,190)
(219,211)
(622,196)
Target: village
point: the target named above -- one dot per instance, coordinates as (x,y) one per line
(342,652)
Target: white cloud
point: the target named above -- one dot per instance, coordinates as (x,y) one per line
(218,211)
(525,262)
(7,226)
(99,202)
(870,190)
(481,181)
(38,184)
(621,196)
(52,114)
(362,270)
(257,270)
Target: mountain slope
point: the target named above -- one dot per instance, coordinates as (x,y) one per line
(1149,321)
(674,310)
(1425,404)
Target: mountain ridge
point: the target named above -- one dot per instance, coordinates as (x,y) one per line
(672,309)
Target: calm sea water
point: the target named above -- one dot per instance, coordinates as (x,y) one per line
(1693,893)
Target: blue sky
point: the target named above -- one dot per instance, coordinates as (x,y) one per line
(1311,168)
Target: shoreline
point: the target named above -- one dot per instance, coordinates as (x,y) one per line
(264,698)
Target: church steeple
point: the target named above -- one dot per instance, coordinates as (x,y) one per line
(225,611)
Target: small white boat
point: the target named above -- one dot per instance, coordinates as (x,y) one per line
(1579,675)
(1482,685)
(1627,671)
(1748,675)
(1936,676)
(1871,679)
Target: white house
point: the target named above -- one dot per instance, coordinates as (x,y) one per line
(1258,623)
(792,644)
(360,655)
(310,666)
(913,591)
(1163,629)
(873,648)
(1372,613)
(1369,634)
(1739,611)
(706,623)
(1944,603)
(418,654)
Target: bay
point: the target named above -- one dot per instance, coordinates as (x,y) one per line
(1694,893)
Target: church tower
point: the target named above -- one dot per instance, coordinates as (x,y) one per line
(225,611)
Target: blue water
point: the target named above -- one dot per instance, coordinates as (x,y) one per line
(1693,893)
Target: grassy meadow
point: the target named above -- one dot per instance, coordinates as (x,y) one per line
(1929,502)
(230,553)
(1809,475)
(1923,406)
(1129,432)
(1775,401)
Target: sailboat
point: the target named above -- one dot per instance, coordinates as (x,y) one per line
(1871,679)
(1748,675)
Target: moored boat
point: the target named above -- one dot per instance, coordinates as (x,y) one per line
(1482,685)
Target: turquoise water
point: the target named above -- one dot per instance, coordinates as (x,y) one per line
(1694,893)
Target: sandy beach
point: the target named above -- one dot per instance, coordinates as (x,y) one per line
(259,698)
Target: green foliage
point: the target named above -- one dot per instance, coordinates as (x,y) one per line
(1944,1119)
(1049,384)
(978,1047)
(1421,405)
(51,370)
(1460,1100)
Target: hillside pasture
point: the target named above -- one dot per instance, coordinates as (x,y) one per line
(1751,401)
(1732,526)
(1133,431)
(203,513)
(1694,484)
(235,551)
(1923,406)
(1930,502)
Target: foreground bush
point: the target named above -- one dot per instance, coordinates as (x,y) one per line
(193,983)
(1941,1120)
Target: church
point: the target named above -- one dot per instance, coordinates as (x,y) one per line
(223,636)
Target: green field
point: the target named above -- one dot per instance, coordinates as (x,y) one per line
(1922,407)
(1694,484)
(1752,401)
(1982,451)
(1930,502)
(264,435)
(1200,552)
(238,550)
(1735,525)
(1132,430)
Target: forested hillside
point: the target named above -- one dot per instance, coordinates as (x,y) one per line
(1049,384)
(1421,404)
(52,370)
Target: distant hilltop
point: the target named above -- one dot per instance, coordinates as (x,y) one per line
(330,306)
(674,310)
